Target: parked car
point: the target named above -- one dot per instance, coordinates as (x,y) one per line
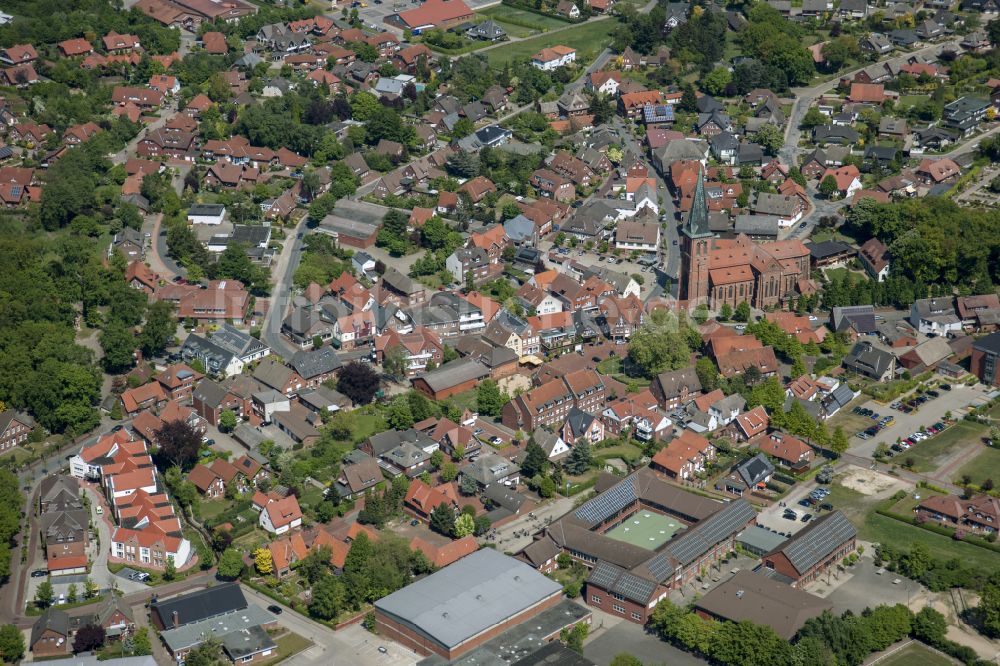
(277,610)
(39,573)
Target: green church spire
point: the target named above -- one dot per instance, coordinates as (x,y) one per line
(697,222)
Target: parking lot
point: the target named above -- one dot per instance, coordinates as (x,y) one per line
(955,401)
(855,588)
(773,517)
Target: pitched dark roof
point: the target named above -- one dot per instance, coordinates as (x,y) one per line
(199,605)
(815,543)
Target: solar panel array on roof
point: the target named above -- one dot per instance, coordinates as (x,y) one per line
(660,566)
(813,544)
(618,581)
(634,588)
(604,574)
(608,503)
(715,529)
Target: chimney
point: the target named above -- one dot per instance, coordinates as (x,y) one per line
(176,620)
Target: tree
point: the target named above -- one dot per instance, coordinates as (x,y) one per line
(742,312)
(989,605)
(828,187)
(535,459)
(88,637)
(394,362)
(813,118)
(89,588)
(464,526)
(359,382)
(140,642)
(262,561)
(316,564)
(208,653)
(625,659)
(449,472)
(44,594)
(579,458)
(71,594)
(329,598)
(169,569)
(483,525)
(399,415)
(118,345)
(489,398)
(839,443)
(656,349)
(179,443)
(11,644)
(468,486)
(708,374)
(930,626)
(725,312)
(573,638)
(715,82)
(771,138)
(231,564)
(227,420)
(443,519)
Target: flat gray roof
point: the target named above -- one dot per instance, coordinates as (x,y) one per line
(466,598)
(195,633)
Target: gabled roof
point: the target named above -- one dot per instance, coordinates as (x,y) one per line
(816,542)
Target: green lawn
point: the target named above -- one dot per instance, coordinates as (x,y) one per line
(835,273)
(367,425)
(627,452)
(917,654)
(288,644)
(588,39)
(925,453)
(984,466)
(851,423)
(466,400)
(213,508)
(853,504)
(522,18)
(880,529)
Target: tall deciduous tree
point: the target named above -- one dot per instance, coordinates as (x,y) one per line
(179,443)
(359,382)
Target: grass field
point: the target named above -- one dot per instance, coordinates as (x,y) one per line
(885,530)
(930,450)
(646,529)
(984,466)
(851,423)
(588,39)
(916,654)
(853,504)
(522,19)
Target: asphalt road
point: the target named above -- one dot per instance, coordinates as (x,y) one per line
(283,271)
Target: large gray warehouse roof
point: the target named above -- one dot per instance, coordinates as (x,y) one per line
(468,597)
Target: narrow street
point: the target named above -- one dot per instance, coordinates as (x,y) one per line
(284,270)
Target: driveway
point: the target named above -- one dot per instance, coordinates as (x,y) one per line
(284,269)
(99,571)
(346,647)
(631,638)
(533,522)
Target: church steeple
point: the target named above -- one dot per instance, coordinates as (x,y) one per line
(697,222)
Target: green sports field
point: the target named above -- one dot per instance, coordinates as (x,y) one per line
(646,530)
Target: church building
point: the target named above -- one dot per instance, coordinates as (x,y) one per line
(715,270)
